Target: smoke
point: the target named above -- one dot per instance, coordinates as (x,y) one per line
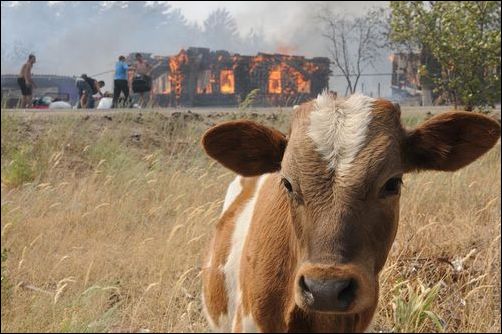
(71,38)
(295,26)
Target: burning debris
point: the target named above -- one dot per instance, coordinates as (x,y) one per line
(405,82)
(200,77)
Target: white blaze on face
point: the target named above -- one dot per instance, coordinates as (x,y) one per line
(339,128)
(232,266)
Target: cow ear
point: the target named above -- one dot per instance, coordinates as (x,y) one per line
(245,147)
(449,141)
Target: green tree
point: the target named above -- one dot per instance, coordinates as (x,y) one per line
(463,38)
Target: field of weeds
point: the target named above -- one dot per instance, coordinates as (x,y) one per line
(106,218)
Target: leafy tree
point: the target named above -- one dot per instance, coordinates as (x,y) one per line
(462,38)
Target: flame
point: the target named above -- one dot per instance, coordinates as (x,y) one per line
(227,82)
(303,86)
(176,73)
(204,82)
(163,85)
(274,81)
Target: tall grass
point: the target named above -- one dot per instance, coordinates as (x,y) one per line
(105,223)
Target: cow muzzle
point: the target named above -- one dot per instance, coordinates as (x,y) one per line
(333,289)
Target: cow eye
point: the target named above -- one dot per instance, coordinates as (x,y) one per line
(294,195)
(287,185)
(392,187)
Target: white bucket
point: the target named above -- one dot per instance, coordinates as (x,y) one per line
(60,105)
(105,103)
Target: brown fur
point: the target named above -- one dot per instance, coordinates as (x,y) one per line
(462,135)
(330,227)
(259,146)
(212,277)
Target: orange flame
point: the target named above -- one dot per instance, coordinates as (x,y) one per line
(227,82)
(302,85)
(176,74)
(204,82)
(274,81)
(164,85)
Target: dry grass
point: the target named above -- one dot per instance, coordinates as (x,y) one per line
(105,223)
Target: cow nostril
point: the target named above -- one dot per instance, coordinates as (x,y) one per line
(303,286)
(309,298)
(347,293)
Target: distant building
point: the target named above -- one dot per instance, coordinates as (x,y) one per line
(405,82)
(62,87)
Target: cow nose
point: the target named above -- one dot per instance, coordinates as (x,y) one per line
(332,295)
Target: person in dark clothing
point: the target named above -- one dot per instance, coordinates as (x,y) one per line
(142,82)
(25,82)
(87,87)
(120,83)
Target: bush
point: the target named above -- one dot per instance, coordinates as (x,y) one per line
(19,170)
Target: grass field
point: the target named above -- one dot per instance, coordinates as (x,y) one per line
(106,217)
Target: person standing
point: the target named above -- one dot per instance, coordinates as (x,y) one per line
(142,82)
(26,83)
(120,83)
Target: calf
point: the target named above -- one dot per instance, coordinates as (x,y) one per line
(308,223)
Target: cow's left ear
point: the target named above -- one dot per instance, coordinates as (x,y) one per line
(449,141)
(245,147)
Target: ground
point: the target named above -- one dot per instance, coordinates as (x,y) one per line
(106,217)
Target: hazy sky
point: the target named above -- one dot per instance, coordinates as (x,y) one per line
(277,18)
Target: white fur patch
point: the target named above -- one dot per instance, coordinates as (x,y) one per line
(223,321)
(249,325)
(232,266)
(339,128)
(234,189)
(209,261)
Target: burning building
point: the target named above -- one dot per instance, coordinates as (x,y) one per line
(407,84)
(405,81)
(200,77)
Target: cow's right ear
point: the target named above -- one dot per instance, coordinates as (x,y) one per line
(449,141)
(245,147)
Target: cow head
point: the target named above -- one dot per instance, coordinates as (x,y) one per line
(341,169)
